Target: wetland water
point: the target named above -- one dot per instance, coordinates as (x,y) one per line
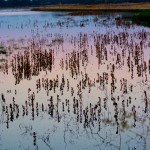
(73,82)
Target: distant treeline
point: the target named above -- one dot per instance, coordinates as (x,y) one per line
(18,3)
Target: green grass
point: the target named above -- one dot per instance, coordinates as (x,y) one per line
(3,60)
(142,18)
(3,51)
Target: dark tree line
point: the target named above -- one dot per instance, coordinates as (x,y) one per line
(15,3)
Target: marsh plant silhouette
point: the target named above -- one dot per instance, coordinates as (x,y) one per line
(95,98)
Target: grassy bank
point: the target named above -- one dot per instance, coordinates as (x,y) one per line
(99,7)
(141,10)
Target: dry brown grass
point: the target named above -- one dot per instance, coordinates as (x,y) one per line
(125,6)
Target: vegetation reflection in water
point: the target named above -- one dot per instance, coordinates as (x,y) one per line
(88,90)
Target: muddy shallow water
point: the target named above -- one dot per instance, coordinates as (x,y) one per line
(73,82)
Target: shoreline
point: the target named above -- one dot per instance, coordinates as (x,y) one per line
(141,11)
(94,7)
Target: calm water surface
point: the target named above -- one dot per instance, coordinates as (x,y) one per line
(73,82)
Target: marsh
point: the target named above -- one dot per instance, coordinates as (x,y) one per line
(73,81)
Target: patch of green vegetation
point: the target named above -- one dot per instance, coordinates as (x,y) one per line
(107,121)
(82,9)
(3,60)
(142,18)
(3,51)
